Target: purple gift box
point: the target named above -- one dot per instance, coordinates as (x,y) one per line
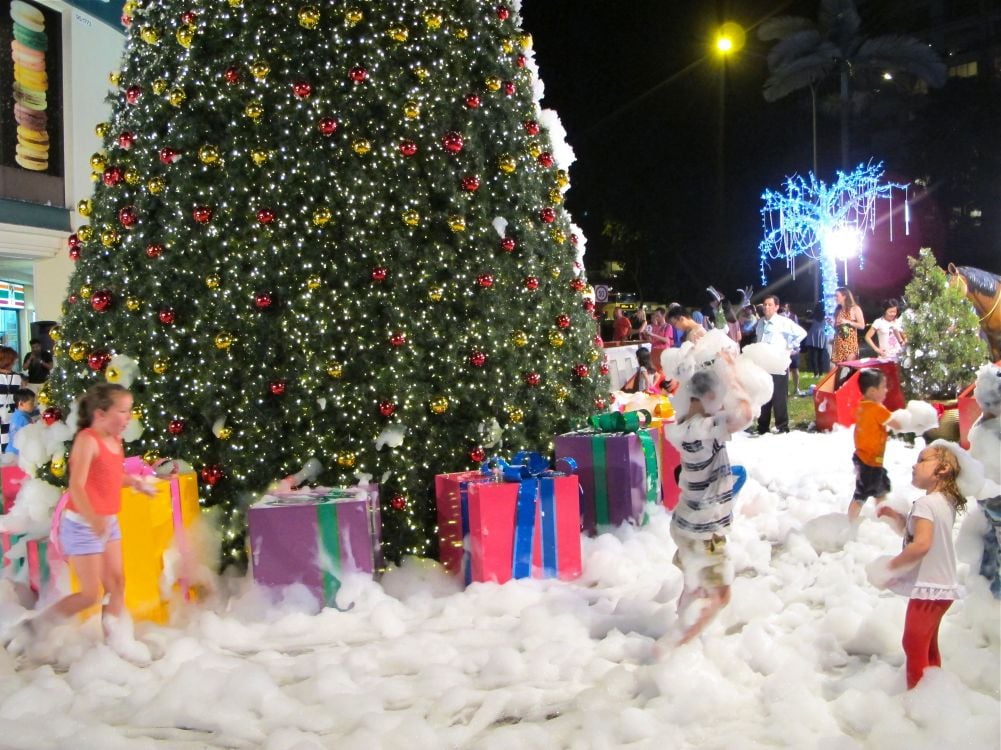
(313,536)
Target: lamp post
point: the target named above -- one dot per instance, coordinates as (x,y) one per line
(729,40)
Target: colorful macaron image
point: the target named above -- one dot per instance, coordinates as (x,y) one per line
(31,85)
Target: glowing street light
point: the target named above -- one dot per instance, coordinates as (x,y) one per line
(730,38)
(842,243)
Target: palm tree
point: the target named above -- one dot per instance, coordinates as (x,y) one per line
(807,51)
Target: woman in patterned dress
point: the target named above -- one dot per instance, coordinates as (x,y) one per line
(848,321)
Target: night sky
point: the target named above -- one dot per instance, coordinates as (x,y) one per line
(680,147)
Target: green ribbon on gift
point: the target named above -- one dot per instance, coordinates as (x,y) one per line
(330,544)
(633,421)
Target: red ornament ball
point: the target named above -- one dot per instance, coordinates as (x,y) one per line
(176,426)
(276,387)
(597,341)
(581,370)
(578,284)
(128,216)
(508,244)
(202,214)
(133,94)
(520,61)
(358,74)
(265,215)
(98,359)
(112,176)
(302,89)
(408,148)
(387,408)
(503,12)
(327,126)
(71,299)
(477,455)
(531,283)
(547,215)
(532,379)
(379,274)
(588,304)
(100,301)
(75,253)
(485,281)
(263,300)
(189,17)
(168,155)
(52,415)
(167,315)
(509,88)
(545,159)
(477,358)
(126,140)
(452,141)
(603,368)
(231,75)
(473,101)
(531,127)
(470,183)
(74,241)
(600,404)
(563,321)
(398,502)
(574,239)
(211,474)
(398,339)
(154,251)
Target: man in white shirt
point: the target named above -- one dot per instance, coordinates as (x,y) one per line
(778,331)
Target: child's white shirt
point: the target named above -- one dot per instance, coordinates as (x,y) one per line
(934,577)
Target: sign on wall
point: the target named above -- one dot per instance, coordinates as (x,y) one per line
(109,11)
(11,294)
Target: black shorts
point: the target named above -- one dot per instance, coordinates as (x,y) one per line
(794,361)
(870,481)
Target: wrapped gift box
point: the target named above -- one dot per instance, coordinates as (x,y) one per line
(26,559)
(11,478)
(619,464)
(313,536)
(492,530)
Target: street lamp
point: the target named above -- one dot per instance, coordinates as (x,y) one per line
(842,243)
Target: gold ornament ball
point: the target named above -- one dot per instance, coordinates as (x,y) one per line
(112,374)
(515,415)
(433,20)
(411,110)
(361,146)
(56,333)
(525,40)
(185,35)
(98,162)
(78,351)
(436,294)
(176,97)
(462,33)
(149,35)
(562,178)
(556,338)
(156,185)
(534,150)
(84,207)
(346,459)
(259,156)
(554,272)
(398,33)
(507,163)
(213,281)
(235,3)
(86,291)
(110,238)
(152,455)
(260,70)
(353,16)
(254,110)
(223,340)
(519,338)
(133,304)
(411,218)
(114,78)
(85,232)
(208,154)
(493,83)
(44,398)
(102,129)
(508,46)
(322,216)
(137,412)
(562,392)
(559,236)
(595,355)
(439,405)
(457,223)
(334,369)
(160,86)
(313,282)
(132,176)
(58,466)
(421,73)
(224,433)
(309,17)
(95,176)
(130,7)
(555,196)
(160,366)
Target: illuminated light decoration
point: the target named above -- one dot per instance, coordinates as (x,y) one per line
(265,216)
(379,274)
(473,101)
(470,183)
(477,358)
(545,160)
(52,415)
(358,74)
(532,379)
(126,140)
(276,387)
(101,300)
(133,94)
(327,126)
(128,216)
(175,426)
(531,127)
(202,214)
(408,148)
(452,142)
(387,408)
(508,244)
(167,315)
(825,223)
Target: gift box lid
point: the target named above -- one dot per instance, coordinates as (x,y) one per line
(314,496)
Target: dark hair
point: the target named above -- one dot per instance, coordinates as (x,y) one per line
(100,396)
(772,296)
(870,379)
(728,314)
(23,395)
(643,359)
(7,357)
(676,311)
(35,341)
(892,302)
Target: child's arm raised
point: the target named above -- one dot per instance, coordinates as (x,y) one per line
(81,456)
(895,518)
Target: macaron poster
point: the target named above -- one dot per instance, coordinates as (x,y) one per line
(30,87)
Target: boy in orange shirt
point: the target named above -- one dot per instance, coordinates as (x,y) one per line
(872,421)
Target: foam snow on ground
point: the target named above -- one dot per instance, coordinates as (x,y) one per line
(806,655)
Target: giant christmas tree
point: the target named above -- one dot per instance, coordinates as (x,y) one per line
(331,230)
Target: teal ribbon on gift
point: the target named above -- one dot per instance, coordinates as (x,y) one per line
(330,544)
(618,422)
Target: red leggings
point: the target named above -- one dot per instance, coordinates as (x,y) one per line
(921,636)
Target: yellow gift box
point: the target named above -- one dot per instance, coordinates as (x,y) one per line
(149,527)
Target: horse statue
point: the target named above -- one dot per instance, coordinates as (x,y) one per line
(983,289)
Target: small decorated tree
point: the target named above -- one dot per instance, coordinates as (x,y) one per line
(944,348)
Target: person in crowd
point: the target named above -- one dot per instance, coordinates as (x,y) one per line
(747,318)
(787,312)
(10,384)
(661,336)
(780,332)
(24,400)
(691,331)
(646,377)
(815,344)
(925,569)
(37,365)
(848,321)
(641,326)
(730,319)
(621,326)
(889,332)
